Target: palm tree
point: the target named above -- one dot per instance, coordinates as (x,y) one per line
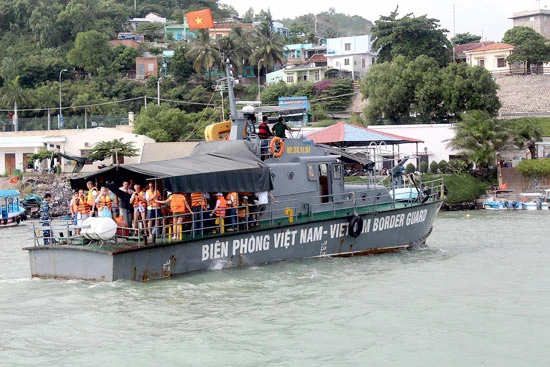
(268,44)
(13,93)
(203,52)
(237,47)
(114,149)
(479,137)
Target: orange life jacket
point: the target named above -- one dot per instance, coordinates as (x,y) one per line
(82,206)
(177,203)
(91,198)
(139,198)
(221,206)
(232,200)
(104,201)
(197,200)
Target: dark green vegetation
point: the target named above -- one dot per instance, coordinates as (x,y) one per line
(531,47)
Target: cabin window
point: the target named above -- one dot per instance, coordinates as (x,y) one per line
(337,171)
(311,172)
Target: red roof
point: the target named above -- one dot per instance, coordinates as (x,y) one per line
(347,134)
(494,47)
(318,58)
(460,49)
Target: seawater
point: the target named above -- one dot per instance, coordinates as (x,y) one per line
(478,295)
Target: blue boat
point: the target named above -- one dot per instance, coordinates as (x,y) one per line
(11,211)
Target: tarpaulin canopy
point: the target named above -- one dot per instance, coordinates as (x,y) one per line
(211,167)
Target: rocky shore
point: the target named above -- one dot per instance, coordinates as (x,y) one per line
(40,184)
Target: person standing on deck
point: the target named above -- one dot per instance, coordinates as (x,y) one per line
(83,209)
(232,200)
(73,207)
(92,195)
(140,206)
(178,207)
(219,211)
(104,203)
(198,207)
(153,208)
(280,128)
(45,217)
(264,133)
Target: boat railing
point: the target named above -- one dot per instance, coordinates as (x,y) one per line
(167,229)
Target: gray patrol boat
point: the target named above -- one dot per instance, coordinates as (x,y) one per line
(313,213)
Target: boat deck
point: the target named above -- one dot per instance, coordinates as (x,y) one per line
(64,233)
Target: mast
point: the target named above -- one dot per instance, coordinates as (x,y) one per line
(238,120)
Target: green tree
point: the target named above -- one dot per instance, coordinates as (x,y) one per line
(465,38)
(411,37)
(268,44)
(531,47)
(203,52)
(181,67)
(115,149)
(237,46)
(91,51)
(525,134)
(479,136)
(13,93)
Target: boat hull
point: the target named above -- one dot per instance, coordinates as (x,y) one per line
(382,231)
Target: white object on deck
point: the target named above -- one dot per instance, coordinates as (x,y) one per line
(99,228)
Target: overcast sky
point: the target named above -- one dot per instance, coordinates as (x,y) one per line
(487,18)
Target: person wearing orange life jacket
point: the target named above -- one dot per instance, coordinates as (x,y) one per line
(92,195)
(198,207)
(178,207)
(104,203)
(82,209)
(232,200)
(243,212)
(73,207)
(140,206)
(219,210)
(153,208)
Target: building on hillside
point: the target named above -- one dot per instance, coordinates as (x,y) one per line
(221,30)
(493,58)
(146,66)
(149,18)
(15,147)
(539,20)
(351,54)
(313,70)
(459,50)
(278,27)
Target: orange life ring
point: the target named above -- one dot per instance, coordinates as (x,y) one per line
(14,180)
(277,153)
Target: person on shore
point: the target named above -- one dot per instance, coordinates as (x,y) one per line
(280,128)
(179,207)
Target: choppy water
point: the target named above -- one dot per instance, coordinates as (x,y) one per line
(478,296)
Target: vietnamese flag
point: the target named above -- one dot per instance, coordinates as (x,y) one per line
(201,19)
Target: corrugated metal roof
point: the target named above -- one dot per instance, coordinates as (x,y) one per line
(348,135)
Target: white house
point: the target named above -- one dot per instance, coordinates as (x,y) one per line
(353,54)
(15,147)
(435,137)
